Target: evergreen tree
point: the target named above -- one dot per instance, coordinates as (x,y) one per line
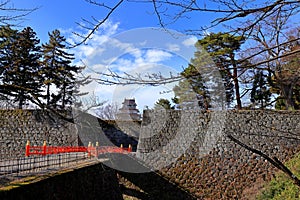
(7,37)
(260,92)
(163,104)
(191,93)
(20,64)
(59,72)
(222,47)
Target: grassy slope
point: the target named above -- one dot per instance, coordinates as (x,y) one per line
(281,187)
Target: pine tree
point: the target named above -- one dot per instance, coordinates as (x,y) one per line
(21,66)
(191,92)
(59,72)
(163,104)
(260,91)
(7,37)
(222,48)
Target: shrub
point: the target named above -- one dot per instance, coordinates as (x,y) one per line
(282,187)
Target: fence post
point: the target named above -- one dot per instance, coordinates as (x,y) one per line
(89,149)
(44,148)
(27,150)
(97,146)
(130,148)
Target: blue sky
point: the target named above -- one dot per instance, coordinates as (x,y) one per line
(125,43)
(63,14)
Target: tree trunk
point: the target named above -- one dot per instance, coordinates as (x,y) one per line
(48,94)
(64,96)
(236,83)
(21,99)
(287,93)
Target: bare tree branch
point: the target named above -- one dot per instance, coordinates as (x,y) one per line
(232,10)
(9,14)
(258,65)
(274,161)
(112,78)
(99,23)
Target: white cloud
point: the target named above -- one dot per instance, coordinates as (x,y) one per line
(105,50)
(173,47)
(140,61)
(156,56)
(122,65)
(190,41)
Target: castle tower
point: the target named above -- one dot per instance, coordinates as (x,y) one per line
(128,112)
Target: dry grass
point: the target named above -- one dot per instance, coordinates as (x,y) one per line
(251,192)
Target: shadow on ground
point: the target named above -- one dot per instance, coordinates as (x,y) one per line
(139,181)
(150,186)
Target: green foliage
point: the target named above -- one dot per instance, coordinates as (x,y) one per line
(192,92)
(189,95)
(222,48)
(27,72)
(260,92)
(163,104)
(282,187)
(20,64)
(7,36)
(221,45)
(215,49)
(58,71)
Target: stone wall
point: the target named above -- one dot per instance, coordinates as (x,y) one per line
(19,126)
(189,148)
(106,133)
(121,132)
(204,161)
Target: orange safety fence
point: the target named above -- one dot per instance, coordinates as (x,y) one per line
(91,150)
